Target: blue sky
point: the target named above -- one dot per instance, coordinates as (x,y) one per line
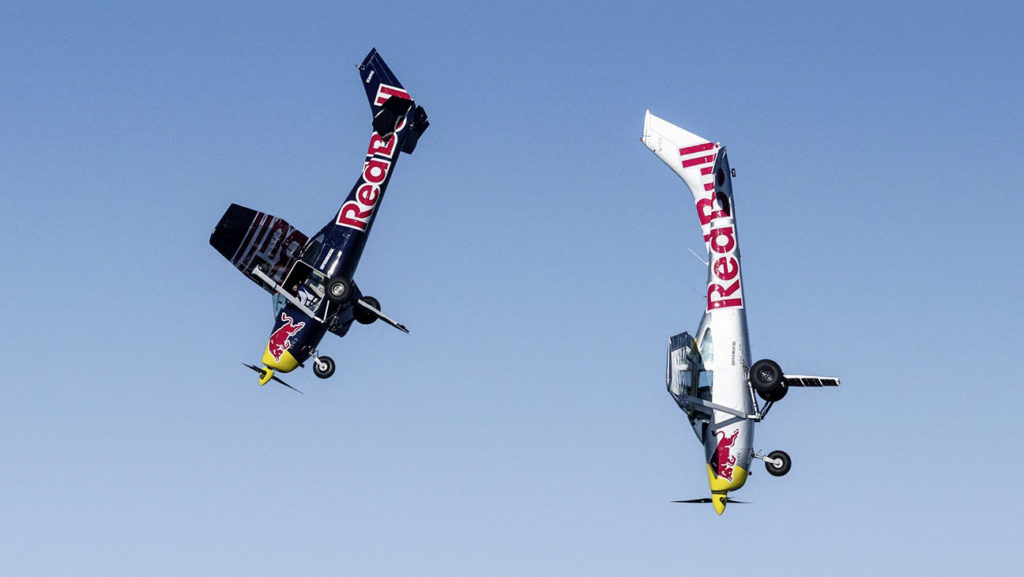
(537,251)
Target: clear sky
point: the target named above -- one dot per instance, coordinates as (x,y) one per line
(538,253)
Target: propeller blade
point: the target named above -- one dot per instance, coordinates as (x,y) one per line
(708,500)
(273,378)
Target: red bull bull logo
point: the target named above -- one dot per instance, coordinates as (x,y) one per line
(280,341)
(722,462)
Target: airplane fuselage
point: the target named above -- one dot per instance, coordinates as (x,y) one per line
(331,253)
(728,439)
(708,375)
(318,294)
(723,344)
(712,375)
(311,278)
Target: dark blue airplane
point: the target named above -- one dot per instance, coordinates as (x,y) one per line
(311,278)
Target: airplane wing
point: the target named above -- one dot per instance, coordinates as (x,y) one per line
(809,381)
(249,239)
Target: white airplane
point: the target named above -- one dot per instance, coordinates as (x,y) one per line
(710,375)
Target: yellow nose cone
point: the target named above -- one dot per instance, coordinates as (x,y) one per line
(265,375)
(719,500)
(285,364)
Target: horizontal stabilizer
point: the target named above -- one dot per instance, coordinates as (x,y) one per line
(387,117)
(809,381)
(418,127)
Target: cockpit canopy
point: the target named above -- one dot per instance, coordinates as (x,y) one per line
(705,344)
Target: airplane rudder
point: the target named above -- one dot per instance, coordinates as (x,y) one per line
(690,156)
(390,101)
(379,82)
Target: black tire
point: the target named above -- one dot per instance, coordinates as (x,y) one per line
(778,471)
(766,376)
(364,315)
(325,371)
(339,290)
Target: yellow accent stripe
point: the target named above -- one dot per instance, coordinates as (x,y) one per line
(721,484)
(286,363)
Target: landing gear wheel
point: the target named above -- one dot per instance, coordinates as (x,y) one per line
(766,376)
(339,290)
(771,462)
(364,315)
(323,367)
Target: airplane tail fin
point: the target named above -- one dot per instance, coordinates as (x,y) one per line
(694,158)
(390,104)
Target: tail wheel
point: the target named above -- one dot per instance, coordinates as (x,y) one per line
(364,315)
(766,376)
(323,367)
(339,290)
(778,463)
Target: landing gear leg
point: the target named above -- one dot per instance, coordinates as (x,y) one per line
(777,463)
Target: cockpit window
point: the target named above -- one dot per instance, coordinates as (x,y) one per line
(705,380)
(707,346)
(312,248)
(279,303)
(704,343)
